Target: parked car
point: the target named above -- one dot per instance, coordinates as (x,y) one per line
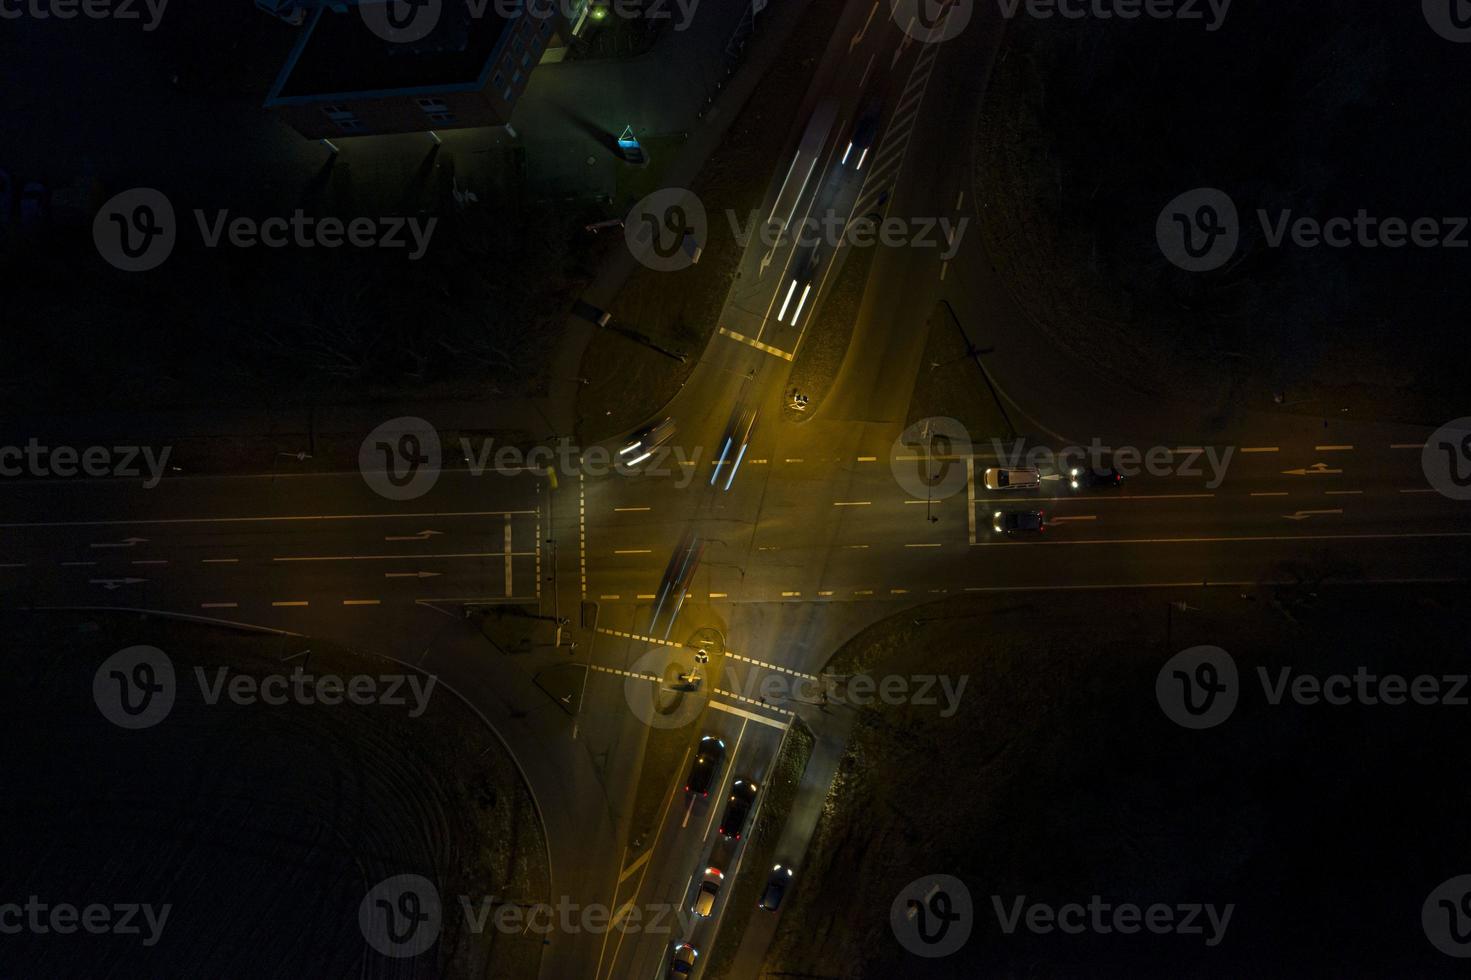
(682,963)
(707,763)
(709,890)
(1015,478)
(1019,523)
(776,887)
(737,809)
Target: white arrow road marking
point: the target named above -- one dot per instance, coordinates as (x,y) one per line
(124,543)
(858,38)
(1317,469)
(421,536)
(113,583)
(409,574)
(1303,515)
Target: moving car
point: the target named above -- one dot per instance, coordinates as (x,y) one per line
(1019,523)
(709,889)
(642,444)
(737,809)
(707,763)
(1014,478)
(591,314)
(682,963)
(864,132)
(1093,477)
(776,887)
(799,288)
(733,449)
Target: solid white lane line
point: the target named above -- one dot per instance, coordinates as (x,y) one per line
(852,503)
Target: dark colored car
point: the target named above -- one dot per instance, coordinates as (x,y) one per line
(682,963)
(864,132)
(737,809)
(591,314)
(707,763)
(1019,523)
(776,887)
(1093,477)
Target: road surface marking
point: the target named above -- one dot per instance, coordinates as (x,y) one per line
(1407,445)
(921,546)
(1261,449)
(645,595)
(125,543)
(77,564)
(717,595)
(360,602)
(639,636)
(826,593)
(295,602)
(796,461)
(1270,493)
(581,541)
(943,267)
(749,715)
(623,673)
(421,536)
(15,565)
(766,348)
(633,551)
(970,498)
(1417,491)
(852,503)
(868,459)
(217,605)
(149,561)
(610,597)
(856,547)
(791,595)
(1303,515)
(932,501)
(1332,449)
(1342,493)
(1101,498)
(639,863)
(261,520)
(1317,469)
(411,574)
(898,592)
(1255,538)
(629,510)
(467,554)
(776,667)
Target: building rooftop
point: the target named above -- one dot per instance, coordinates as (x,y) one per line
(340,55)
